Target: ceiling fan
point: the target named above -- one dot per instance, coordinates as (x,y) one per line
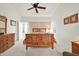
(35,6)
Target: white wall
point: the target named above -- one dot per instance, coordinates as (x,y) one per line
(39,25)
(37,22)
(66,33)
(11,13)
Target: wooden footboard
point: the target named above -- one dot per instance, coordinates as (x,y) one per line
(39,40)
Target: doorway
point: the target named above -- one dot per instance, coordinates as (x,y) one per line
(23,29)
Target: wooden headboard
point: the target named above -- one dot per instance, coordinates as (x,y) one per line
(38,29)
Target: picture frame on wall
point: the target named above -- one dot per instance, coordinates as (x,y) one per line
(66,20)
(12,22)
(74,18)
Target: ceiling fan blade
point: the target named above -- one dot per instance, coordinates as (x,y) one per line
(36,10)
(36,3)
(30,8)
(41,7)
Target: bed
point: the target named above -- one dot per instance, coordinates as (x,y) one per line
(39,40)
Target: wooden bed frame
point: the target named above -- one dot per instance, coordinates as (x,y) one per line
(39,40)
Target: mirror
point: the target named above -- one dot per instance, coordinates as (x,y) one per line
(3,25)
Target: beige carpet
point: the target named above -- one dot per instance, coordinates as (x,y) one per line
(19,50)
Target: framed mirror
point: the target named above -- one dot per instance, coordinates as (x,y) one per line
(3,25)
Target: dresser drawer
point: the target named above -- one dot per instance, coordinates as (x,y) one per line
(6,41)
(5,47)
(75,48)
(2,50)
(1,45)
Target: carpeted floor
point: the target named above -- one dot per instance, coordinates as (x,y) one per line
(19,50)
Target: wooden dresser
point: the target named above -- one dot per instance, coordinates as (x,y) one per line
(75,47)
(39,40)
(6,41)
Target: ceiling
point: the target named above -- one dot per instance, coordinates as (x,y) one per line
(36,19)
(21,9)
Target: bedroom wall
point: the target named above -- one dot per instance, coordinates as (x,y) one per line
(39,25)
(66,33)
(11,14)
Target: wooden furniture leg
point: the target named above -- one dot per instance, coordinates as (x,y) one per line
(26,47)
